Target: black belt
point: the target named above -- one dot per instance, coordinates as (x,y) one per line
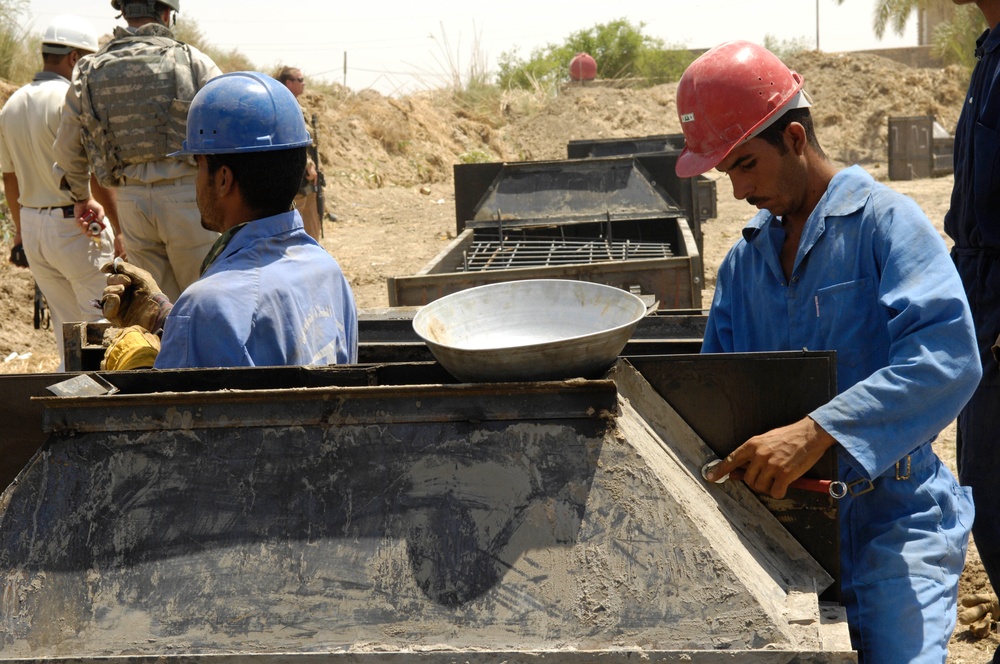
(991,252)
(67,210)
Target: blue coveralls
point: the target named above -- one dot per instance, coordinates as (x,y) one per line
(273,297)
(973,222)
(873,281)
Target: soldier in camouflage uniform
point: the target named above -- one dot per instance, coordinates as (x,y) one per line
(125,110)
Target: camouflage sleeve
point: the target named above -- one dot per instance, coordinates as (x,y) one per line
(72,167)
(203,67)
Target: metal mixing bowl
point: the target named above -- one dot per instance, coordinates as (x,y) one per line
(536,329)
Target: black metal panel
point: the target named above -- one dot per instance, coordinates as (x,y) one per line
(588,189)
(696,196)
(562,191)
(611,147)
(729,398)
(472,182)
(152,407)
(418,352)
(22,420)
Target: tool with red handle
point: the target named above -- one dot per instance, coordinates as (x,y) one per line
(834,488)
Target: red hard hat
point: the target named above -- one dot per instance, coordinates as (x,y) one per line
(728,95)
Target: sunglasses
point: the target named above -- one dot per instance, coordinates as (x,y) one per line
(300,80)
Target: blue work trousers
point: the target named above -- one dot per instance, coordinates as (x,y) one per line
(903,548)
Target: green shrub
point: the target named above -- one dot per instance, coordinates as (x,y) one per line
(620,49)
(20,52)
(785,48)
(954,42)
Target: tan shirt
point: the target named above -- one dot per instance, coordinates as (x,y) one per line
(71,158)
(28,124)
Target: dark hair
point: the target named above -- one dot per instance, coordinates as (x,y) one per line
(775,134)
(285,74)
(53,59)
(268,180)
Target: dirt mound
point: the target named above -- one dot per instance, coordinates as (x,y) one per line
(855,94)
(373,141)
(368,140)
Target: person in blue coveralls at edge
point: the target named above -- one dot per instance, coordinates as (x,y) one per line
(268,294)
(837,261)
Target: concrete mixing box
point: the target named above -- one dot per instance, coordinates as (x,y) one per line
(385,513)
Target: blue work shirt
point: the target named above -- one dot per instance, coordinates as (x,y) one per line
(273,297)
(873,281)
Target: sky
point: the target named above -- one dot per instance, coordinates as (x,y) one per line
(397,47)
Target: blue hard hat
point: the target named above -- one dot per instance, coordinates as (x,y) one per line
(243,111)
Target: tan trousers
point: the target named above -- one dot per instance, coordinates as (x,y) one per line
(163,233)
(66,265)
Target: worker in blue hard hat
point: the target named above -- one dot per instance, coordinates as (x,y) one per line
(268,294)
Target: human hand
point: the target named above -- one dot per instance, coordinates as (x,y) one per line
(132,297)
(131,348)
(81,209)
(17,255)
(775,459)
(981,610)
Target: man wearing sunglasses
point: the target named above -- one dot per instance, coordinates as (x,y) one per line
(306,201)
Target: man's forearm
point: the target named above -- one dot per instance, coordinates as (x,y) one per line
(108,200)
(12,192)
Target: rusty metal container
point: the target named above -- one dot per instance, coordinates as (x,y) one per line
(919,147)
(696,196)
(606,221)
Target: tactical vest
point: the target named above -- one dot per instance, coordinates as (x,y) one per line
(135,94)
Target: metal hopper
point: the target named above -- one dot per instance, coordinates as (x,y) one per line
(377,514)
(607,221)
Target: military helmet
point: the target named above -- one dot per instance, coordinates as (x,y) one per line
(67,32)
(243,111)
(148,10)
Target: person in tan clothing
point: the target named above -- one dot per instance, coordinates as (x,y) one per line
(64,262)
(99,134)
(306,200)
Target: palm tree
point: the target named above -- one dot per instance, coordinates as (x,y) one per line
(953,39)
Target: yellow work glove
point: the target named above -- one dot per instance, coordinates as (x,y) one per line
(982,609)
(132,297)
(132,348)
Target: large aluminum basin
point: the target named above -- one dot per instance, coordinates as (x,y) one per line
(535,329)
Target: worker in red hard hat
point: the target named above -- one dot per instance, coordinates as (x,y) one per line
(836,261)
